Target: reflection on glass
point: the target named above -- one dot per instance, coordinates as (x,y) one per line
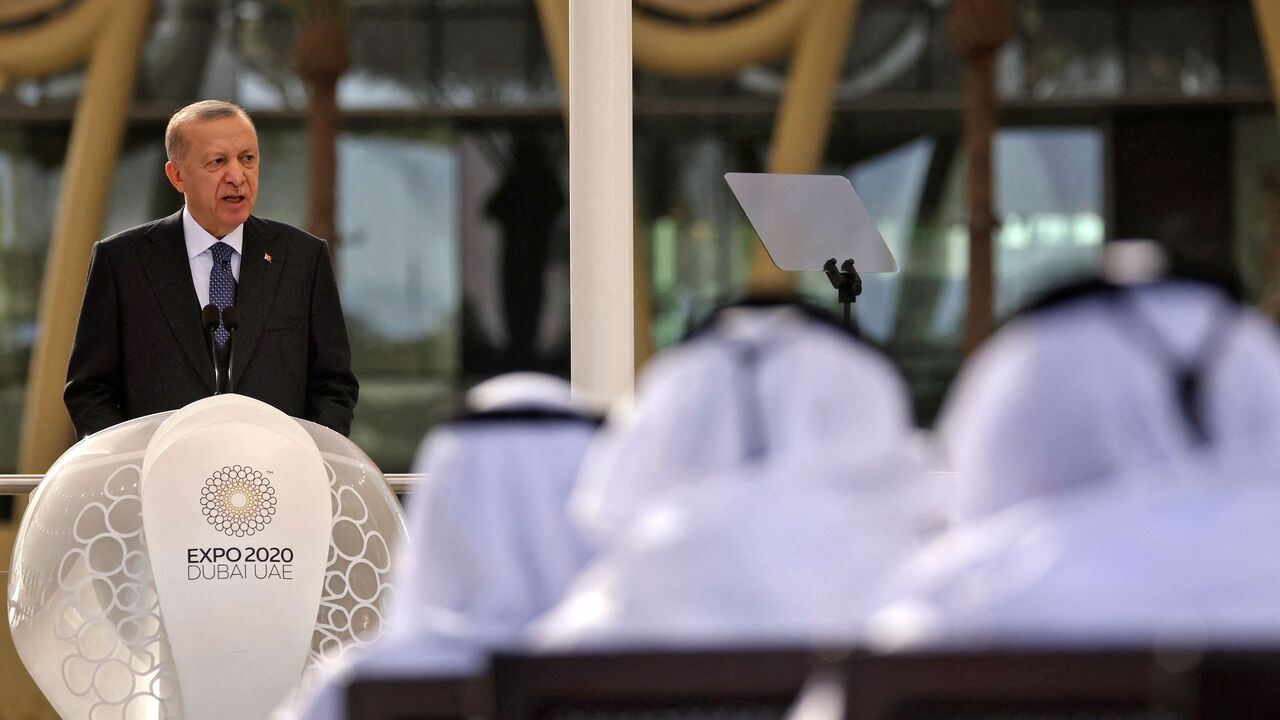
(176,52)
(28,188)
(252,52)
(30,180)
(514,235)
(1257,208)
(1173,49)
(398,271)
(1246,66)
(1071,52)
(888,50)
(1049,202)
(404,55)
(700,243)
(889,186)
(391,51)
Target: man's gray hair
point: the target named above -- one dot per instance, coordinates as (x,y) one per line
(175,143)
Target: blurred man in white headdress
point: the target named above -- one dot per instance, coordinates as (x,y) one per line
(1114,461)
(490,545)
(761,483)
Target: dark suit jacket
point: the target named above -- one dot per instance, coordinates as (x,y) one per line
(140,348)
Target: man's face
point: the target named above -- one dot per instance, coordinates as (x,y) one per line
(219,173)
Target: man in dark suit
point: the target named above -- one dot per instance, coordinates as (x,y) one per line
(140,347)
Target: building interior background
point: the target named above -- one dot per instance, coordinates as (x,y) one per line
(1119,118)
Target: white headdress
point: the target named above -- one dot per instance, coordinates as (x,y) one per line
(758,385)
(1106,382)
(759,489)
(490,547)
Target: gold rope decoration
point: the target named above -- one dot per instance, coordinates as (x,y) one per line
(699,10)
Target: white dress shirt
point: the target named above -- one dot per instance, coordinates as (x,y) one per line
(198,243)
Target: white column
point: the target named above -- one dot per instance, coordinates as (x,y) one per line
(601,294)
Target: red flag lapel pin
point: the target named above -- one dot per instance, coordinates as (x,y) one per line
(267,257)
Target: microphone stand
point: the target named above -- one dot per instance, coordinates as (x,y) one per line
(231,321)
(210,318)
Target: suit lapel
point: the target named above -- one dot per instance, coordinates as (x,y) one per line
(165,262)
(259,278)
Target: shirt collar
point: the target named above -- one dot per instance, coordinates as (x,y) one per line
(199,240)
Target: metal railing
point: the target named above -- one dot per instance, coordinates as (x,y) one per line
(24,484)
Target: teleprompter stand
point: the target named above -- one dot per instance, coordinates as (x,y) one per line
(848,284)
(808,222)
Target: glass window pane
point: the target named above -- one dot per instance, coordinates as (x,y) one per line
(1174,50)
(31,161)
(177,51)
(398,270)
(391,52)
(888,51)
(29,183)
(1257,207)
(1049,202)
(515,244)
(890,186)
(700,243)
(1071,51)
(1246,66)
(485,60)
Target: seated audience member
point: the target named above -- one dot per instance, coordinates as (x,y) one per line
(759,486)
(1113,456)
(490,546)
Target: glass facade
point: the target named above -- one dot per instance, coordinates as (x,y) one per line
(452,246)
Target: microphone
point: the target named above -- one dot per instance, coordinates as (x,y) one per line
(231,321)
(210,317)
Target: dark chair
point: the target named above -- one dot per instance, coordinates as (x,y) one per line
(1116,684)
(1240,685)
(1022,685)
(724,685)
(418,699)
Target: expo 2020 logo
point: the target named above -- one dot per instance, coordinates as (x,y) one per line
(238,500)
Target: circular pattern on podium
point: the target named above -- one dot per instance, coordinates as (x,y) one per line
(107,612)
(356,590)
(83,605)
(238,501)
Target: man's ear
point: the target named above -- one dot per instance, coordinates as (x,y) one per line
(174,174)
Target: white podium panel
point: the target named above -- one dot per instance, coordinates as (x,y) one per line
(92,605)
(83,608)
(237,518)
(368,524)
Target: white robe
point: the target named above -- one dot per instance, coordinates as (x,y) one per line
(702,406)
(746,561)
(1074,395)
(1088,514)
(707,542)
(1175,561)
(490,545)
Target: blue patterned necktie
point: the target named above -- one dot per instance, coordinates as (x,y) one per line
(222,287)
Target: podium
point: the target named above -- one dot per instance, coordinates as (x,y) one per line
(199,563)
